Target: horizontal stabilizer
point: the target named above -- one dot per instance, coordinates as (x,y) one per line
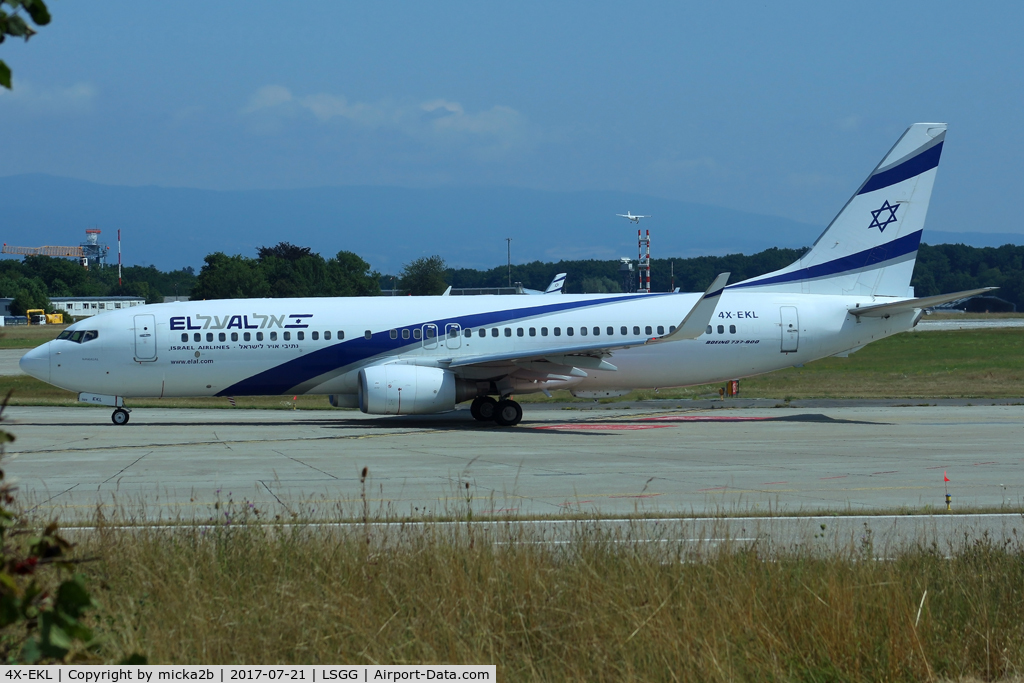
(696,321)
(883,310)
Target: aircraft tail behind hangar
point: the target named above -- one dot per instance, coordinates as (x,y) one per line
(871,246)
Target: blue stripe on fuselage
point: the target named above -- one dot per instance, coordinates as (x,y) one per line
(280,378)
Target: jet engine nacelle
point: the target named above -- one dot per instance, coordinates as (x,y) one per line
(410,390)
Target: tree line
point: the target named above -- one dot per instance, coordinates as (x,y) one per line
(287,270)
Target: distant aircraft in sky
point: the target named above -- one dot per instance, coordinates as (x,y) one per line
(630,216)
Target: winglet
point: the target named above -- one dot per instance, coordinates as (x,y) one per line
(696,321)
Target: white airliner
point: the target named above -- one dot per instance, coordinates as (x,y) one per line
(415,355)
(630,216)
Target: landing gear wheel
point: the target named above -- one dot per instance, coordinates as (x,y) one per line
(509,413)
(483,408)
(120,416)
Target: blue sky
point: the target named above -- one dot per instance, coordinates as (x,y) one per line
(775,108)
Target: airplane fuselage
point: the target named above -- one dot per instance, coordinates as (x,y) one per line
(240,347)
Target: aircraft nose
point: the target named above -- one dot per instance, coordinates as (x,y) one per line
(37,362)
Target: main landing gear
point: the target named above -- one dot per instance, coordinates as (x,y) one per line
(505,412)
(120,416)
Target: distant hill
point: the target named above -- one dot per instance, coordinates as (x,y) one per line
(387,226)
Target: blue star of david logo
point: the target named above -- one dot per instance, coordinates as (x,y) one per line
(884,223)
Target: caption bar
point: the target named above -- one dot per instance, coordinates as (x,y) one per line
(115,673)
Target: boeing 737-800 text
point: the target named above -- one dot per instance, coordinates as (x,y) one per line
(415,355)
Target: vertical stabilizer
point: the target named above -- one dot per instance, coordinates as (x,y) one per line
(871,246)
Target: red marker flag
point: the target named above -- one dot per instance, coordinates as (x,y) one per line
(944,476)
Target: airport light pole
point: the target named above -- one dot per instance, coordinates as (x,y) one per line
(508,255)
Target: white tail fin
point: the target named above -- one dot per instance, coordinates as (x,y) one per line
(871,246)
(556,285)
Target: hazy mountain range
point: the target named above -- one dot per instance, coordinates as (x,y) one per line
(389,226)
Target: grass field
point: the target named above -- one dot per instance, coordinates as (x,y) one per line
(600,608)
(28,336)
(986,363)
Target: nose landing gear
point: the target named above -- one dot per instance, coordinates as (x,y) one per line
(120,416)
(505,412)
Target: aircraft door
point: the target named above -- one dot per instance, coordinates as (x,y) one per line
(145,337)
(430,336)
(790,329)
(453,335)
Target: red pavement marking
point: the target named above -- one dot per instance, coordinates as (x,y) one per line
(599,427)
(702,418)
(842,476)
(646,495)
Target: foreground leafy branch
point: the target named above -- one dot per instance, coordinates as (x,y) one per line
(13,24)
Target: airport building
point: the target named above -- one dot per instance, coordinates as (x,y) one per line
(84,306)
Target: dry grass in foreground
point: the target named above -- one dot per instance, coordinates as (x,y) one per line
(595,609)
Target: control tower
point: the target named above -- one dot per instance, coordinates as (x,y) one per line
(94,251)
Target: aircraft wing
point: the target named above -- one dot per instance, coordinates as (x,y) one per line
(885,310)
(590,355)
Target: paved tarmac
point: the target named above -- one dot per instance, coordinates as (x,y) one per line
(178,464)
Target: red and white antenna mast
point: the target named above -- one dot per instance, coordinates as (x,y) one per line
(119,257)
(644,260)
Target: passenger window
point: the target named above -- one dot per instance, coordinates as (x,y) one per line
(482,332)
(259,336)
(569,332)
(721,329)
(367,335)
(543,331)
(671,329)
(661,330)
(184,336)
(405,333)
(197,337)
(247,337)
(287,336)
(709,329)
(394,334)
(508,331)
(583,331)
(467,332)
(316,336)
(648,331)
(273,336)
(533,331)
(431,332)
(341,335)
(519,332)
(732,329)
(494,331)
(223,337)
(300,335)
(622,331)
(558,331)
(234,336)
(209,336)
(327,335)
(416,334)
(636,329)
(597,331)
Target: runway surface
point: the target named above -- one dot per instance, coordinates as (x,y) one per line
(168,464)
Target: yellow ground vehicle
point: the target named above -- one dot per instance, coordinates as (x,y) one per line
(37,316)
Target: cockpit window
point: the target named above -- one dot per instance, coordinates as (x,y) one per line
(79,336)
